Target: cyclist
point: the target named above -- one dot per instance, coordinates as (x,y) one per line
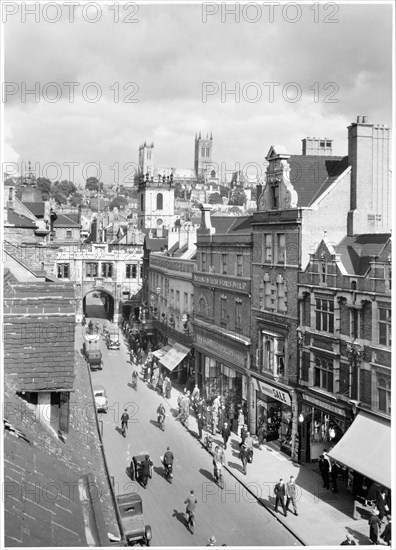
(191,503)
(135,376)
(218,461)
(168,461)
(161,414)
(124,421)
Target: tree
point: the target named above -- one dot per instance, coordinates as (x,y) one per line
(224,191)
(44,186)
(67,187)
(215,198)
(119,202)
(179,190)
(59,197)
(238,197)
(92,184)
(77,199)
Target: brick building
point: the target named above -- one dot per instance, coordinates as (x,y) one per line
(345,338)
(222,308)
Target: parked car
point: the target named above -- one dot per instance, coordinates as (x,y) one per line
(100,399)
(130,507)
(93,354)
(113,337)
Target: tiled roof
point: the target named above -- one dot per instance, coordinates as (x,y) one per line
(357,251)
(241,223)
(222,223)
(308,173)
(36,208)
(19,221)
(339,168)
(155,244)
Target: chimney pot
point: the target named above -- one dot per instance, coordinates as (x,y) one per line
(364,120)
(359,119)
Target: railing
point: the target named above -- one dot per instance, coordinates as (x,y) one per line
(182,338)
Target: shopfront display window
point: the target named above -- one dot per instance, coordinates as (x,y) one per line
(276,418)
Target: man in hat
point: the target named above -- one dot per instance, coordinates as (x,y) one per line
(241,422)
(199,425)
(212,541)
(291,495)
(349,541)
(374,523)
(280,495)
(225,434)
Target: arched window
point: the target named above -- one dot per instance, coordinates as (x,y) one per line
(202,308)
(160,201)
(142,202)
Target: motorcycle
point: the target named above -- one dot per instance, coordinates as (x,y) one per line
(168,472)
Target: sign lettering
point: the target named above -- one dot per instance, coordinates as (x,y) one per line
(222,282)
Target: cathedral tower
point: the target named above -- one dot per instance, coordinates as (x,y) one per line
(156,204)
(203,156)
(146,159)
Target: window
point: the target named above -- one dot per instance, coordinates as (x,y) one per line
(275,196)
(223,310)
(63,271)
(185,302)
(202,309)
(204,260)
(280,254)
(91,269)
(384,326)
(268,303)
(322,144)
(131,271)
(69,234)
(268,247)
(281,295)
(172,297)
(328,143)
(384,393)
(160,201)
(177,299)
(141,271)
(141,202)
(238,314)
(239,265)
(324,315)
(323,272)
(274,354)
(224,265)
(345,380)
(323,374)
(64,411)
(354,317)
(107,269)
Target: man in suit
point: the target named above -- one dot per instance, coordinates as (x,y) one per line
(280,495)
(225,434)
(324,468)
(291,495)
(199,425)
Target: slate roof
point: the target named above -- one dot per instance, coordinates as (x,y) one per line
(222,223)
(241,223)
(39,324)
(18,220)
(66,220)
(155,244)
(309,173)
(36,208)
(358,251)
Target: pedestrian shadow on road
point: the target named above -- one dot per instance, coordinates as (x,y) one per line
(180,517)
(206,474)
(130,386)
(362,539)
(235,466)
(118,429)
(154,423)
(159,471)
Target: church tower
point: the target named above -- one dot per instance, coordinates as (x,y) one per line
(156,203)
(203,156)
(146,159)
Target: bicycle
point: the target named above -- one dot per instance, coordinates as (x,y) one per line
(218,475)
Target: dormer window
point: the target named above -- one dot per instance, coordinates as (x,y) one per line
(275,195)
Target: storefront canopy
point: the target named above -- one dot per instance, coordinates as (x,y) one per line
(366,448)
(174,356)
(161,352)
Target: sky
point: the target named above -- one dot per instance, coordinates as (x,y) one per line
(163,72)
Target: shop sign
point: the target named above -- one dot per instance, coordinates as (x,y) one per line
(276,393)
(222,351)
(226,283)
(324,405)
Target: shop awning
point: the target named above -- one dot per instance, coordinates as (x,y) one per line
(161,352)
(366,448)
(174,356)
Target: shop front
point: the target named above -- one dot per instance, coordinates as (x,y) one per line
(321,426)
(220,371)
(274,414)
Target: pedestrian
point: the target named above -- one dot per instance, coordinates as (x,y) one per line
(164,382)
(221,418)
(195,393)
(146,466)
(200,406)
(387,532)
(291,495)
(212,541)
(199,425)
(225,434)
(241,422)
(324,470)
(382,504)
(244,432)
(334,476)
(374,523)
(214,421)
(243,455)
(168,388)
(260,435)
(280,495)
(148,374)
(349,541)
(249,446)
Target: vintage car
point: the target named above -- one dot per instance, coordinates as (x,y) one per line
(93,354)
(100,399)
(130,507)
(113,337)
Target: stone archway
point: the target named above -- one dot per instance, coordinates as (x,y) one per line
(99,303)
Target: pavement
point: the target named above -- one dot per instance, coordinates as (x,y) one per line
(324,518)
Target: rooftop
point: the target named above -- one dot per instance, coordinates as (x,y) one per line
(358,251)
